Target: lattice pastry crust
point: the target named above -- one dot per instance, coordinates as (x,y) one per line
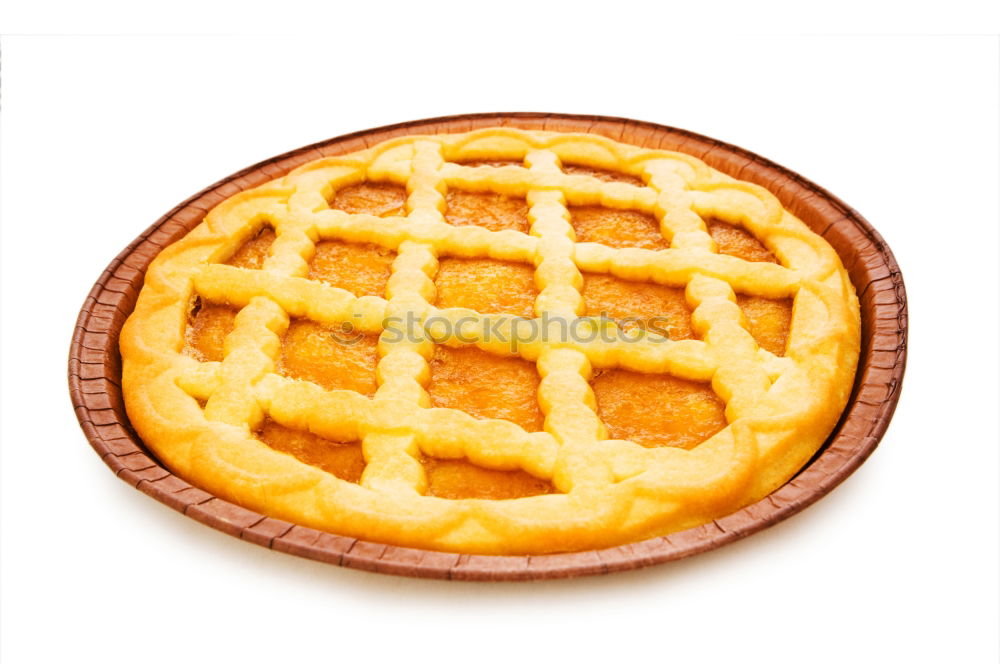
(200,418)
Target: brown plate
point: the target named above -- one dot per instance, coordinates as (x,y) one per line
(95,364)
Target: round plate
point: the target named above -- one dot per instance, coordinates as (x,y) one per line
(95,364)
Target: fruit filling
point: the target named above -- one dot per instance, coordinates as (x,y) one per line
(485,385)
(343,459)
(636,304)
(458,478)
(620,229)
(208,326)
(769,320)
(486,285)
(490,162)
(735,241)
(362,269)
(494,212)
(333,357)
(657,410)
(254,251)
(380,199)
(603,174)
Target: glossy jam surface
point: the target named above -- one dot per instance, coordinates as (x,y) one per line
(769,320)
(458,478)
(331,357)
(659,309)
(362,269)
(343,459)
(601,174)
(254,251)
(657,410)
(493,212)
(380,199)
(491,162)
(485,385)
(620,229)
(734,241)
(208,326)
(486,285)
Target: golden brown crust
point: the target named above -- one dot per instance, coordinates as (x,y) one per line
(780,409)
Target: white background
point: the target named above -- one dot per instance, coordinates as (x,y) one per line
(101,135)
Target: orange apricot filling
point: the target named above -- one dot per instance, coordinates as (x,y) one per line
(485,385)
(735,241)
(494,212)
(620,229)
(254,251)
(458,478)
(380,199)
(769,321)
(208,326)
(603,174)
(490,162)
(657,410)
(658,309)
(486,285)
(362,269)
(331,357)
(343,459)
